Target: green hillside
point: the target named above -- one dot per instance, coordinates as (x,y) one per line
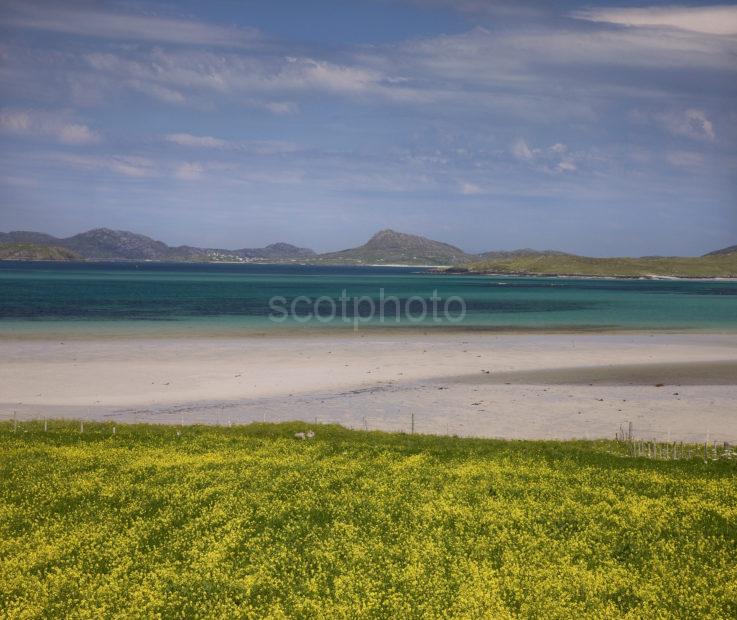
(721,265)
(33,251)
(732,249)
(392,247)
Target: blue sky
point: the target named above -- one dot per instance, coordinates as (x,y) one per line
(603,128)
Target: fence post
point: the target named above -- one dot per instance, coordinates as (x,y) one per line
(413,422)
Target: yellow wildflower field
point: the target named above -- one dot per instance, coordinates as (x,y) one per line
(251,522)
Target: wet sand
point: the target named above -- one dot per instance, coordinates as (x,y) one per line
(681,386)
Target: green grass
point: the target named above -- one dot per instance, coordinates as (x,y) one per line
(33,251)
(567,264)
(251,522)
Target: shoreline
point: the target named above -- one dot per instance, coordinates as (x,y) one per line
(82,331)
(516,386)
(431,269)
(577,276)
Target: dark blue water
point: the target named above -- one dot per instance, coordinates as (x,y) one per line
(125,297)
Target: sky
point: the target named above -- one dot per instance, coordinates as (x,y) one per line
(601,128)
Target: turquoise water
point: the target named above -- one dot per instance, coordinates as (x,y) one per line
(154,298)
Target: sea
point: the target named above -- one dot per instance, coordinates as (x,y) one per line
(157,299)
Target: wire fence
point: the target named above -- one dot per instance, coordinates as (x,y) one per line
(634,441)
(402,424)
(650,444)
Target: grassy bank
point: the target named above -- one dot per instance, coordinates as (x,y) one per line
(33,251)
(251,522)
(718,266)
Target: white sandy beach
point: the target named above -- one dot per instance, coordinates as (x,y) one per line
(681,386)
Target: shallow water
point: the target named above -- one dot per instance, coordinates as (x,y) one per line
(89,299)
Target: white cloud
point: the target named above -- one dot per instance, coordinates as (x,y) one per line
(253,147)
(716,20)
(76,134)
(688,160)
(55,125)
(278,108)
(521,151)
(470,189)
(179,75)
(90,21)
(554,159)
(690,123)
(543,69)
(131,166)
(532,72)
(566,165)
(126,165)
(190,171)
(157,91)
(186,139)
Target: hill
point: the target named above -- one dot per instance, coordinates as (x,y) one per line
(732,249)
(27,236)
(392,247)
(107,244)
(33,251)
(103,243)
(724,266)
(278,251)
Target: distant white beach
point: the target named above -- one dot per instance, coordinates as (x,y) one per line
(532,386)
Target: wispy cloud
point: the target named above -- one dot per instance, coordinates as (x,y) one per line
(717,20)
(35,123)
(556,158)
(688,160)
(470,189)
(690,123)
(187,139)
(134,166)
(87,20)
(255,147)
(189,171)
(541,70)
(280,108)
(202,78)
(521,151)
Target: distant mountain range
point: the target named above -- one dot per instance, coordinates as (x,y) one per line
(106,244)
(386,247)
